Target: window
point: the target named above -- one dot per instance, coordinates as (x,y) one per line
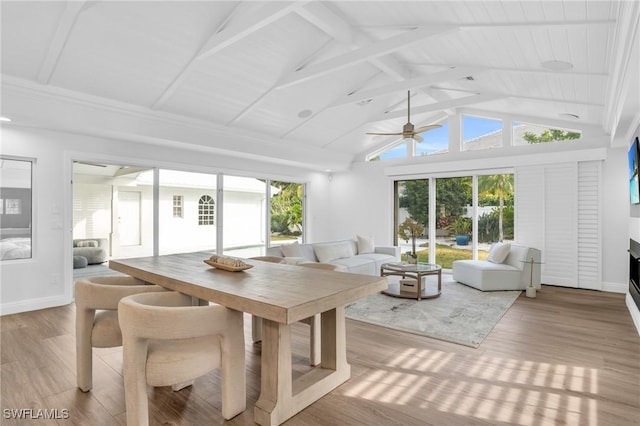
(206,210)
(526,134)
(287,212)
(480,133)
(178,203)
(435,141)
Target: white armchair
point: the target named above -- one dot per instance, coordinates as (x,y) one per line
(513,273)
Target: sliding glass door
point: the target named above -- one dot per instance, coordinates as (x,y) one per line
(454,224)
(462,226)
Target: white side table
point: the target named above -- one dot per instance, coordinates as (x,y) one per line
(531,290)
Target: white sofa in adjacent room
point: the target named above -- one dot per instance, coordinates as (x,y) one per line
(508,267)
(359,256)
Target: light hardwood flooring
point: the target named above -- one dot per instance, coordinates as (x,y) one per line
(568,357)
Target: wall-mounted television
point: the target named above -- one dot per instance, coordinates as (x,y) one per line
(634,158)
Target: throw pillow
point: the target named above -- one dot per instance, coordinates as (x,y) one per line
(499,252)
(291,250)
(332,251)
(87,243)
(365,244)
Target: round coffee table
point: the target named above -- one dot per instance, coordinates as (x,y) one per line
(412,271)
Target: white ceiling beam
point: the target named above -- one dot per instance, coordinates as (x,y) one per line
(264,94)
(366,53)
(243,24)
(59,40)
(508,69)
(323,18)
(439,106)
(625,35)
(414,83)
(491,25)
(246,19)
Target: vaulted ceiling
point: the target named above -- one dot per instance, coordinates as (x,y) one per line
(310,78)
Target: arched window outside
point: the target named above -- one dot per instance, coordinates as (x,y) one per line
(206,210)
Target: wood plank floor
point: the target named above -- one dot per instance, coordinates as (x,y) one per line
(568,357)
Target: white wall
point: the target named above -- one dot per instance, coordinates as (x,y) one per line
(361,203)
(46,279)
(615,238)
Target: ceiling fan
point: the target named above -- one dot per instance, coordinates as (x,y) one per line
(408,130)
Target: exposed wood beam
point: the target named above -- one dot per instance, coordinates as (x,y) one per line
(246,24)
(323,18)
(59,40)
(508,69)
(414,83)
(438,106)
(264,94)
(491,25)
(246,18)
(366,53)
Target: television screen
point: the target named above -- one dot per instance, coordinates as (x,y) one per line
(634,189)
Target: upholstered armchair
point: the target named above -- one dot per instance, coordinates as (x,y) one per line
(167,340)
(97,318)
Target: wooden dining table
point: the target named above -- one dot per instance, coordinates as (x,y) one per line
(280,294)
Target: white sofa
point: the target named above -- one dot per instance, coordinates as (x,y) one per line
(358,256)
(513,273)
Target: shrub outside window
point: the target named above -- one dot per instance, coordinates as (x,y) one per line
(527,134)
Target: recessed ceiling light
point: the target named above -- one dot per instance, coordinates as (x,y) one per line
(305,113)
(569,115)
(6,119)
(557,65)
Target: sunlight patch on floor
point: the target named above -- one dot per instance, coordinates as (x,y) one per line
(529,392)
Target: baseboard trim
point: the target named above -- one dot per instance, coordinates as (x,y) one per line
(633,310)
(615,287)
(33,304)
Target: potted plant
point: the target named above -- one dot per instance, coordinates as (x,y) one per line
(461,227)
(410,230)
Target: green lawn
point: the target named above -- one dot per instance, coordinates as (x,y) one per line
(445,255)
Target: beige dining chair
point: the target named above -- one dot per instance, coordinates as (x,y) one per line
(167,340)
(97,325)
(313,322)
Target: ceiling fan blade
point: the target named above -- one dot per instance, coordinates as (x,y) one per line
(417,138)
(425,128)
(384,134)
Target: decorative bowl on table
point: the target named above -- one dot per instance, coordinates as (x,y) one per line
(227,263)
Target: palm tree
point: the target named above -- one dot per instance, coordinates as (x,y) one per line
(500,186)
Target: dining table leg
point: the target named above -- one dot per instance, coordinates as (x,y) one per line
(280,396)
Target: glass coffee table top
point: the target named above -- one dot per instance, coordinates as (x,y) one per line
(411,267)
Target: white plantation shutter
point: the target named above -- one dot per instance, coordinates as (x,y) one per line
(91,211)
(529,205)
(561,244)
(557,209)
(589,225)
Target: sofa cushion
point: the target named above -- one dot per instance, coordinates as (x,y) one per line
(357,265)
(377,258)
(291,250)
(365,244)
(326,252)
(499,252)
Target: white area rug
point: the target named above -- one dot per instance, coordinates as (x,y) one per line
(461,314)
